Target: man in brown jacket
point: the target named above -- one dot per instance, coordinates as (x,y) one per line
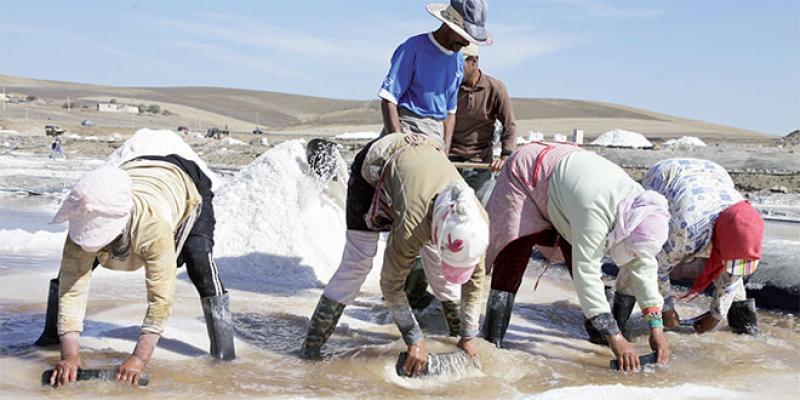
(482,101)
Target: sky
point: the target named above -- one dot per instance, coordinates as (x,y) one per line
(733,62)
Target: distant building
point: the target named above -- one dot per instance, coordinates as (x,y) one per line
(117,108)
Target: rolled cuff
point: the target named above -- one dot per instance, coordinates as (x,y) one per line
(407,324)
(605,324)
(469,332)
(69,326)
(152,328)
(387,95)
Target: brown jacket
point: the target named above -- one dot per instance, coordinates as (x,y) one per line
(412,181)
(478,108)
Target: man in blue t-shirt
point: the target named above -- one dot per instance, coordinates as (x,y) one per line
(419,95)
(420,91)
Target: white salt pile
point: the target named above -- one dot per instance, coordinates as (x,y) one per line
(684,142)
(358,135)
(279,228)
(162,143)
(622,138)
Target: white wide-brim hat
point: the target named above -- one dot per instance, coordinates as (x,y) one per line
(450,16)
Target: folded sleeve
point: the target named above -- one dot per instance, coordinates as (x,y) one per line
(644,281)
(505,114)
(471,292)
(398,260)
(74,280)
(160,275)
(400,75)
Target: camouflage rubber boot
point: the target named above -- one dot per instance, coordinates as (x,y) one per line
(453,317)
(320,327)
(498,315)
(416,287)
(50,333)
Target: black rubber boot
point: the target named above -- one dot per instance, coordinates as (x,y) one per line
(217,311)
(453,317)
(742,317)
(498,314)
(621,309)
(320,327)
(50,334)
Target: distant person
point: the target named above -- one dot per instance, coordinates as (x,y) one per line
(482,101)
(154,212)
(433,214)
(710,219)
(57,149)
(559,197)
(420,91)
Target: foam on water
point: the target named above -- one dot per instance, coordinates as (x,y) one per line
(617,392)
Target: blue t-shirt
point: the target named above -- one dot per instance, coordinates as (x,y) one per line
(424,77)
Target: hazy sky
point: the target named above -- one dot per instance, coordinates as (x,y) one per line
(727,61)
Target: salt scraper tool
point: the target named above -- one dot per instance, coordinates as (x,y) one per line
(439,364)
(644,359)
(109,374)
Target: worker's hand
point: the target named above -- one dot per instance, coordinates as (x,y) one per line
(498,163)
(705,324)
(671,319)
(625,353)
(66,371)
(469,346)
(417,360)
(659,343)
(130,371)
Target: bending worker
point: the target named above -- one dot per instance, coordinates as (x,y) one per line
(559,196)
(417,207)
(148,212)
(710,219)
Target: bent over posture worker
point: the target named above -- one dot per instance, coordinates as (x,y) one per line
(710,219)
(391,188)
(557,195)
(154,212)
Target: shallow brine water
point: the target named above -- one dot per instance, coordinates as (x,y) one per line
(274,287)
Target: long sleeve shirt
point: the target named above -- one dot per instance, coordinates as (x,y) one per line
(479,107)
(164,198)
(584,192)
(413,180)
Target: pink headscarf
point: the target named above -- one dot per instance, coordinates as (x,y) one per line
(641,228)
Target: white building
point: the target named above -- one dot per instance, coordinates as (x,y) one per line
(118,108)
